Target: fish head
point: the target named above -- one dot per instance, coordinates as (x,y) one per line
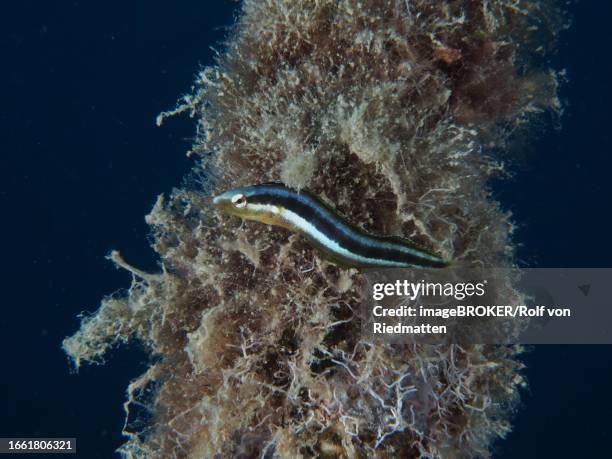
(246,203)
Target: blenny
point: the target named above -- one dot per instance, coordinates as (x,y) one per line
(346,244)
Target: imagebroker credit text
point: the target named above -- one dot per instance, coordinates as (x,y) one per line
(472,311)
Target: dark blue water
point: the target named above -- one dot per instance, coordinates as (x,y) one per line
(81,163)
(562,199)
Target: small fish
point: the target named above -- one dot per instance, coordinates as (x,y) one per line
(343,242)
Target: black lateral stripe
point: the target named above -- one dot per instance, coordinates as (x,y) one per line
(351,238)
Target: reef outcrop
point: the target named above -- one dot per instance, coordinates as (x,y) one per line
(390,111)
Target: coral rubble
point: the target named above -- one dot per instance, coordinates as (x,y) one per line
(383,108)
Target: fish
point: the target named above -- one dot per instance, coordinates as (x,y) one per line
(339,240)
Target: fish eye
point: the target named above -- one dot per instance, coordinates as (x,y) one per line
(239,200)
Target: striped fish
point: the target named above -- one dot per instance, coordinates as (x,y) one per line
(342,242)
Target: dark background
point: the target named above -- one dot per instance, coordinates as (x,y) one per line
(81,163)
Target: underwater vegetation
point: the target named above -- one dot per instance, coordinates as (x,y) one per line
(389,111)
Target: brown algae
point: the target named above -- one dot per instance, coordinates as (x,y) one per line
(383,108)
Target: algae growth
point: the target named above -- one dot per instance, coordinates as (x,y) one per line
(383,108)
